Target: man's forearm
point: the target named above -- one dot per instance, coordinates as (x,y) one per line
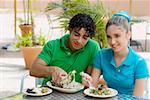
(40,70)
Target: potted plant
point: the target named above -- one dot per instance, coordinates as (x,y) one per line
(96,11)
(30,49)
(26,24)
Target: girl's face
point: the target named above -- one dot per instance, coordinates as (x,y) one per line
(78,39)
(118,38)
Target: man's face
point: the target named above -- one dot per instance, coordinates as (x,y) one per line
(78,39)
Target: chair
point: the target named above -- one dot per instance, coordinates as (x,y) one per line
(38,81)
(147,33)
(137,44)
(146,41)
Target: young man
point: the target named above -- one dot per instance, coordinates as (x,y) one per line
(74,51)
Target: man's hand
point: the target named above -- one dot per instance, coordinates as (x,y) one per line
(58,75)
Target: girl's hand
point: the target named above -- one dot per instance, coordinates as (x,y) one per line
(86,79)
(58,74)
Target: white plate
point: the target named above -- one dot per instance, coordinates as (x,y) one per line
(72,90)
(37,94)
(113,93)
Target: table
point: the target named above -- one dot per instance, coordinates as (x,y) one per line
(77,96)
(55,95)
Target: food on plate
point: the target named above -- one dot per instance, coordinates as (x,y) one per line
(37,90)
(44,90)
(67,82)
(100,90)
(72,85)
(30,91)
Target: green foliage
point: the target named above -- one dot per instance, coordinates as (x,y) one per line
(24,41)
(96,11)
(40,40)
(20,20)
(27,41)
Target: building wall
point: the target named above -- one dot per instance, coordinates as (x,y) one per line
(137,8)
(37,4)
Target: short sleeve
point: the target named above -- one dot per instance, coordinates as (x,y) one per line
(142,70)
(97,61)
(94,51)
(46,53)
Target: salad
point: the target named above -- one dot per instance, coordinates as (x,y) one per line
(38,90)
(100,90)
(68,81)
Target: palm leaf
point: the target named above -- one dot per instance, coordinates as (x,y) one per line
(73,7)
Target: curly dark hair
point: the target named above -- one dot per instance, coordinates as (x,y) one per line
(83,21)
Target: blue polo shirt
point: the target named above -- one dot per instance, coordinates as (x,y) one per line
(121,78)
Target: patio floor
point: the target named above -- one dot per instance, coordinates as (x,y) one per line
(12,68)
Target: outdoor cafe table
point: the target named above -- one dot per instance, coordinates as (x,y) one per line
(55,95)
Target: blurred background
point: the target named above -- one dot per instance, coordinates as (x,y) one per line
(9,9)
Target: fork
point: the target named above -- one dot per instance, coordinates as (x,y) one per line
(90,84)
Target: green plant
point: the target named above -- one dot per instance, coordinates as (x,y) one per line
(40,40)
(20,20)
(96,11)
(26,23)
(28,42)
(24,41)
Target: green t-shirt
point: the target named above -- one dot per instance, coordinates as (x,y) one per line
(55,53)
